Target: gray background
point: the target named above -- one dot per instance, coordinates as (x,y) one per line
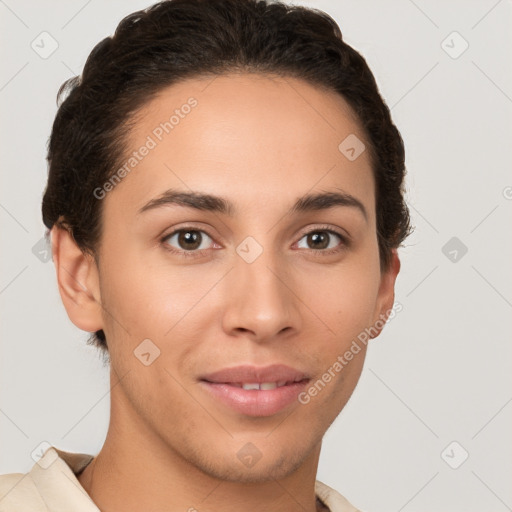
(440,372)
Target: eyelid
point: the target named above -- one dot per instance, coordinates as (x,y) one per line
(327,227)
(189,226)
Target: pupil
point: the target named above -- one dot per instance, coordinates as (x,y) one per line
(190,240)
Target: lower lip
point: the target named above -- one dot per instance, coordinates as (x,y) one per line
(256,402)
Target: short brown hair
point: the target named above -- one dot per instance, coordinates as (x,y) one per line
(178,39)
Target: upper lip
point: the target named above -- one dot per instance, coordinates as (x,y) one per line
(254,374)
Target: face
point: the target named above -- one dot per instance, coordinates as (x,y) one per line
(215,251)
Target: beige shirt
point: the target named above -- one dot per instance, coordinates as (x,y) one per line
(52,486)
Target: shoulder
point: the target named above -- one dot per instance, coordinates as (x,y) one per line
(51,485)
(18,492)
(334,501)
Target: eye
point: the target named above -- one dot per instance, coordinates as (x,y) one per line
(192,241)
(188,240)
(322,240)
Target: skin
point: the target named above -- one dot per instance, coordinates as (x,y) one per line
(260,142)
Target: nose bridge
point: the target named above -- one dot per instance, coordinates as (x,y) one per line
(260,298)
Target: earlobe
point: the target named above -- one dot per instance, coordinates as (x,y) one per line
(386,296)
(77,277)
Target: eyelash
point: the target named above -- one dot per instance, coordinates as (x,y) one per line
(345,242)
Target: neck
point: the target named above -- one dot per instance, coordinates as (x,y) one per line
(132,484)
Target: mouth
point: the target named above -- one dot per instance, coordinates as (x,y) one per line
(256,391)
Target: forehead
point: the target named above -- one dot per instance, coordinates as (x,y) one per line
(253,136)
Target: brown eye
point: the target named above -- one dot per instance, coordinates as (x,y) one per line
(188,240)
(320,240)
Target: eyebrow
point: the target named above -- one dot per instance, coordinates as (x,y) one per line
(208,202)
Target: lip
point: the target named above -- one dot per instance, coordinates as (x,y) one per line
(223,386)
(248,373)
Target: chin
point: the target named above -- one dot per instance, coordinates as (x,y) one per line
(261,472)
(268,465)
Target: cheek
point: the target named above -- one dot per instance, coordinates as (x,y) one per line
(145,298)
(344,299)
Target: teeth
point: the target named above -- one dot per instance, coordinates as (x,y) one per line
(253,385)
(263,386)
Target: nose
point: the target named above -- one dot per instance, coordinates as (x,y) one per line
(260,300)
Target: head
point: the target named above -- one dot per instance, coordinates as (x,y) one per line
(257,131)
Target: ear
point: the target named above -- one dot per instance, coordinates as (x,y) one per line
(386,295)
(78,281)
